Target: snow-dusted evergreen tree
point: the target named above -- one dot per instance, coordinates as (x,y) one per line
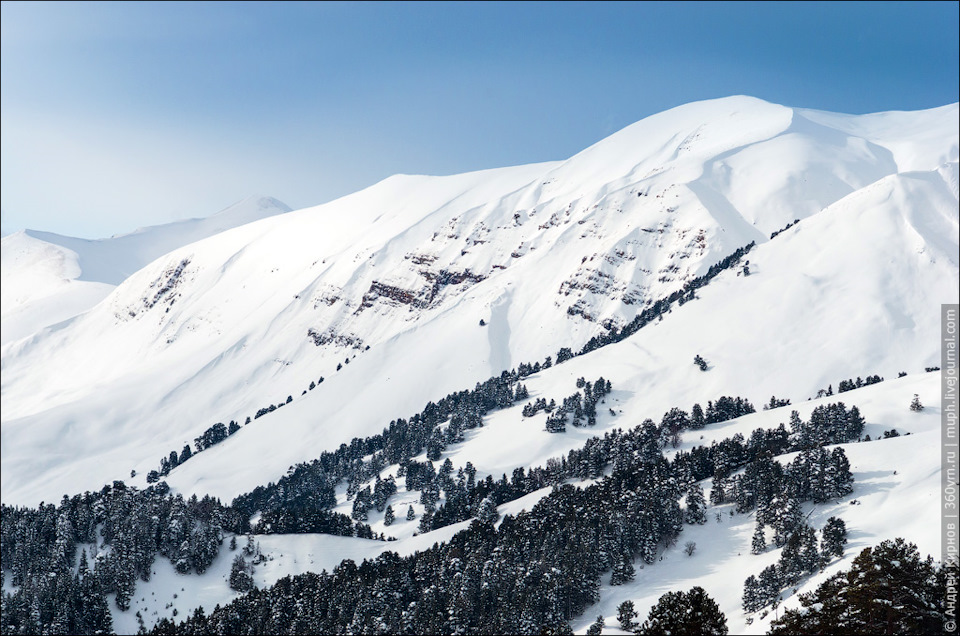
(240,578)
(388,516)
(697,419)
(889,589)
(696,512)
(487,511)
(833,538)
(758,544)
(692,612)
(915,404)
(623,572)
(753,599)
(626,616)
(596,628)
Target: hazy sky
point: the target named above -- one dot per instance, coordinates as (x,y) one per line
(119,115)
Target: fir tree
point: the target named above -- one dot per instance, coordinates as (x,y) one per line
(487,511)
(623,572)
(889,589)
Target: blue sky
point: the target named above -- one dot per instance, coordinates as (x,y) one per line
(119,115)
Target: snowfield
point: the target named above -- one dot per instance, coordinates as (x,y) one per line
(49,278)
(117,352)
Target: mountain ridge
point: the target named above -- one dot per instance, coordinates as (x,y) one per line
(49,278)
(326,325)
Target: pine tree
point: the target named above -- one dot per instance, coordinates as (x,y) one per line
(240,579)
(596,628)
(692,612)
(834,536)
(623,572)
(769,585)
(759,543)
(752,596)
(697,419)
(915,404)
(487,511)
(626,616)
(889,589)
(696,512)
(411,515)
(388,516)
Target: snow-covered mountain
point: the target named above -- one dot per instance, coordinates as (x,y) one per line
(419,286)
(48,278)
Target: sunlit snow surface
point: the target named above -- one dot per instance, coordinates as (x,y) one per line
(543,254)
(48,278)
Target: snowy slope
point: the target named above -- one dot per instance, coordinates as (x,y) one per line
(39,286)
(396,279)
(545,254)
(899,474)
(48,278)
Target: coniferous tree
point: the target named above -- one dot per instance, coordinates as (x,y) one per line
(834,537)
(915,404)
(388,516)
(696,512)
(692,612)
(596,628)
(759,542)
(753,598)
(889,589)
(623,572)
(487,511)
(240,578)
(697,419)
(626,616)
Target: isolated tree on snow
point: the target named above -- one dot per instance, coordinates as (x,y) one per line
(915,405)
(388,516)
